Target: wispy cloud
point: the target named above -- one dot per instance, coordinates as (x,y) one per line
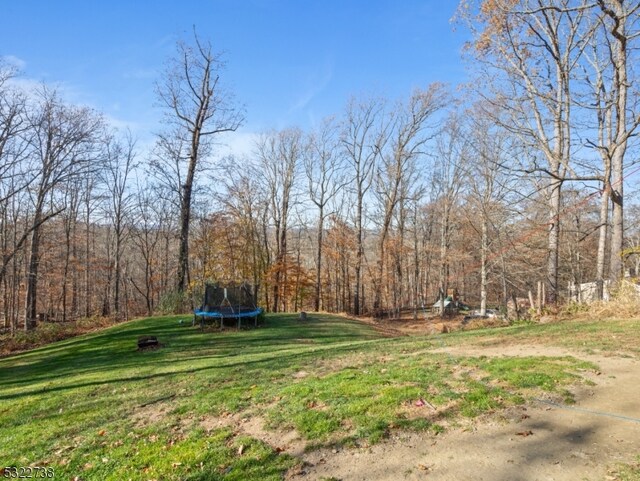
(14,61)
(315,84)
(122,124)
(26,85)
(140,74)
(237,143)
(73,95)
(66,90)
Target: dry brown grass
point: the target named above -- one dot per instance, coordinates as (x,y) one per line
(46,333)
(624,304)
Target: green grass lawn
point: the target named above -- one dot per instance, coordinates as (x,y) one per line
(619,336)
(93,407)
(630,472)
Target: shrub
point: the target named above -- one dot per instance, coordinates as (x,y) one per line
(174,302)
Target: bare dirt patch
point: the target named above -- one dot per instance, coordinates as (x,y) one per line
(421,409)
(150,414)
(429,324)
(289,442)
(538,442)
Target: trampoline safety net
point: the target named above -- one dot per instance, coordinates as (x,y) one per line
(230,301)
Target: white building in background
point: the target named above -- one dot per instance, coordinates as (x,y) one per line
(586,292)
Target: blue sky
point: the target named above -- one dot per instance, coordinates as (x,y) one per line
(289,62)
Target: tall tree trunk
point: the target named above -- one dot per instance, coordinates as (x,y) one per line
(65,271)
(416,264)
(87,259)
(32,277)
(283,261)
(399,257)
(378,280)
(320,233)
(503,275)
(267,253)
(359,255)
(444,257)
(483,265)
(185,221)
(117,271)
(619,15)
(603,230)
(277,279)
(616,266)
(74,277)
(553,245)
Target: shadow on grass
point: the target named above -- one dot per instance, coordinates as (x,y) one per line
(112,352)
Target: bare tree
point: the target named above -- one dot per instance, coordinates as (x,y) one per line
(197,109)
(245,199)
(407,134)
(452,152)
(119,162)
(489,151)
(324,170)
(72,193)
(612,99)
(531,49)
(63,140)
(15,174)
(361,139)
(600,100)
(148,222)
(279,156)
(13,123)
(621,23)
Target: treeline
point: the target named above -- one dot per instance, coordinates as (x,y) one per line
(387,205)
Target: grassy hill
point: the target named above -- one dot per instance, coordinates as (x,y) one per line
(94,407)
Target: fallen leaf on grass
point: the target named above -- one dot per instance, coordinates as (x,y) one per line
(524,433)
(421,402)
(59,451)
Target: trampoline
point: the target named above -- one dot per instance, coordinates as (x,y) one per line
(231,302)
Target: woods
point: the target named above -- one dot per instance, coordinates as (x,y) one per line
(488,189)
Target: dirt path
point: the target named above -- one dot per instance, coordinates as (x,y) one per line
(567,443)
